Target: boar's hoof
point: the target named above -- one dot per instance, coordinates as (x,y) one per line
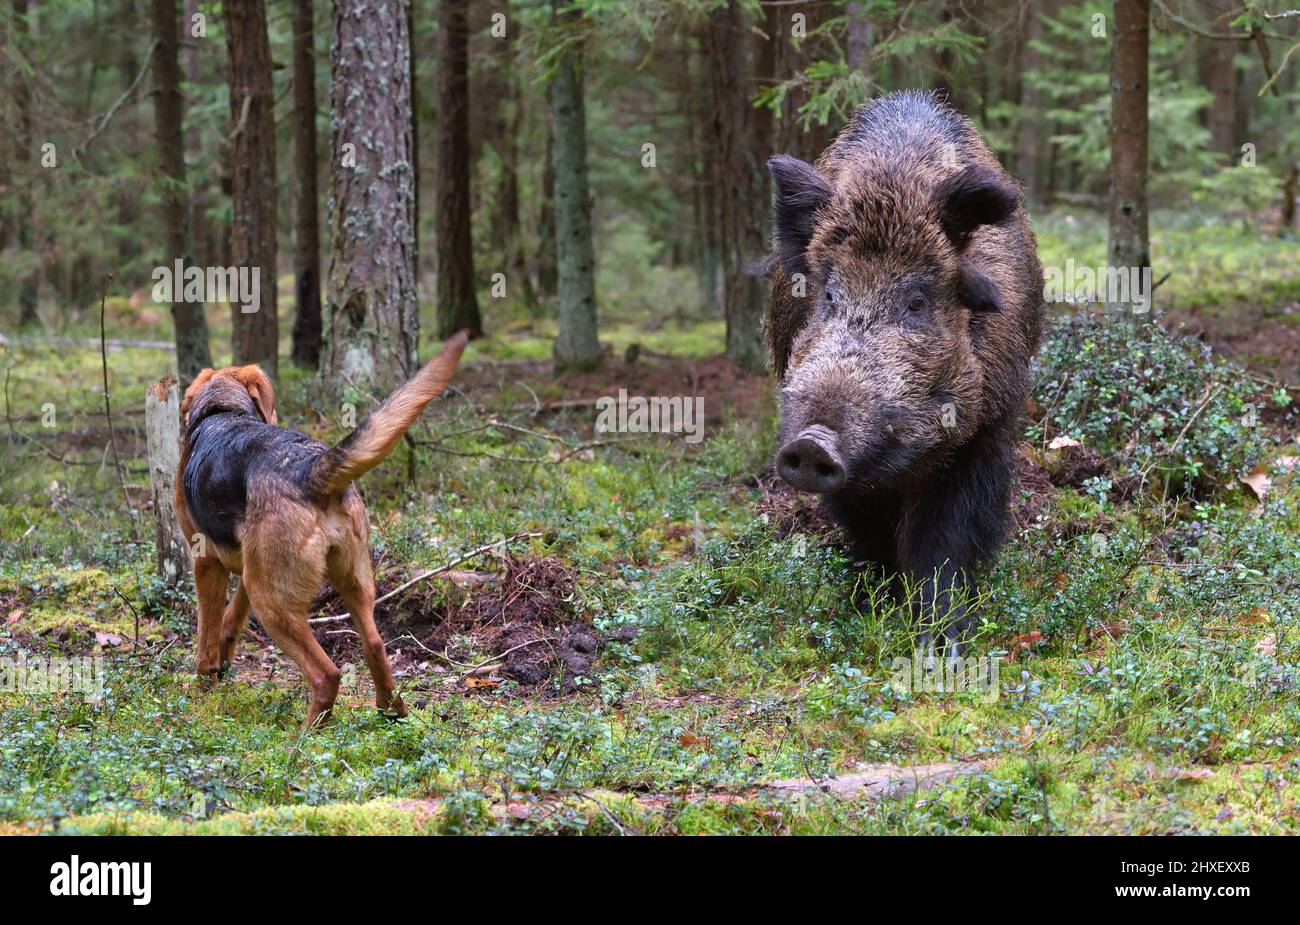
(809,462)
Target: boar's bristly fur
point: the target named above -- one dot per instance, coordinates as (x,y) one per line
(907,301)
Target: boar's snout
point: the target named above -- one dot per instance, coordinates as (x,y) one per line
(810,462)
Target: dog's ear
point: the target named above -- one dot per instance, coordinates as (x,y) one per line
(259,387)
(200,382)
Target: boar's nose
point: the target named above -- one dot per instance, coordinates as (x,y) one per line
(809,462)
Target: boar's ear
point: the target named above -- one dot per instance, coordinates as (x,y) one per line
(800,191)
(977,290)
(968,199)
(973,197)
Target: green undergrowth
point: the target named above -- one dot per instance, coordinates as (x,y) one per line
(1141,625)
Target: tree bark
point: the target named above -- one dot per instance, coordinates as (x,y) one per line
(200,231)
(1219,75)
(1289,186)
(576,346)
(414,84)
(507,121)
(699,122)
(24,157)
(546,282)
(457,302)
(163,439)
(127,194)
(372,314)
(1028,138)
(1129,245)
(256,334)
(193,352)
(742,197)
(307,322)
(861,37)
(948,82)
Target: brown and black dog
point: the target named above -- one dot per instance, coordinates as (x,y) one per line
(279,510)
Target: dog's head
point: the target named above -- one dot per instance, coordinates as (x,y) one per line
(234,388)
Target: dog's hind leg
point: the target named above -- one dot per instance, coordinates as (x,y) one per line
(292,633)
(210,581)
(357,588)
(232,625)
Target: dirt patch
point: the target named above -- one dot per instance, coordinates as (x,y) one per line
(1071,466)
(526,618)
(1265,341)
(725,387)
(1031,492)
(791,511)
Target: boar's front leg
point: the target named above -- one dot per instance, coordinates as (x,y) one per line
(948,530)
(871,522)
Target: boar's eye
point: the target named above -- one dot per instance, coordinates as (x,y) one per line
(828,295)
(917,303)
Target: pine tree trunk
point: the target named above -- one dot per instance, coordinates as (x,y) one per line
(506,127)
(307,323)
(949,82)
(699,122)
(1220,76)
(24,157)
(457,302)
(193,352)
(256,334)
(127,195)
(546,218)
(1028,138)
(415,154)
(1290,184)
(742,198)
(200,236)
(861,36)
(371,311)
(1129,245)
(576,346)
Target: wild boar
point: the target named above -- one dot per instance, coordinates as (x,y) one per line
(907,301)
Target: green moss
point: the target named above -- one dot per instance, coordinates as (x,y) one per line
(377,817)
(71,606)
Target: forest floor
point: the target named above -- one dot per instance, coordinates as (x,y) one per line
(683,646)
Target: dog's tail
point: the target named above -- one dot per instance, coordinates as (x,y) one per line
(366,447)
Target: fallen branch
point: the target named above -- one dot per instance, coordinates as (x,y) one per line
(496,658)
(436,571)
(879,781)
(465,670)
(561,405)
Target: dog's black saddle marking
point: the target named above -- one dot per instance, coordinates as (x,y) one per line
(229,451)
